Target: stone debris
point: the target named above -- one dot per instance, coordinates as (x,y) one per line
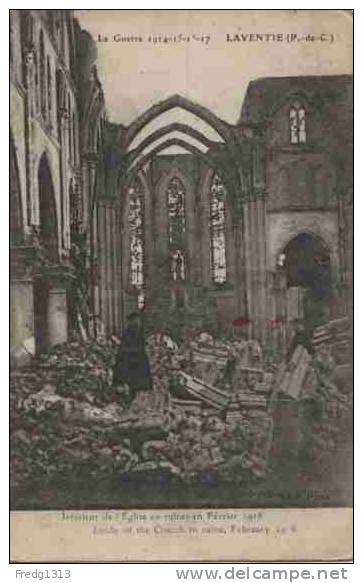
(211,410)
(203,391)
(312,403)
(292,380)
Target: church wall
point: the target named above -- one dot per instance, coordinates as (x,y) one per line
(296,188)
(35,111)
(17,132)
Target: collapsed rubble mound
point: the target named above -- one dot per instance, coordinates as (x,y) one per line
(67,423)
(312,412)
(217,412)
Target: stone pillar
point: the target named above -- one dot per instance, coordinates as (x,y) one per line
(57,316)
(30,82)
(32,108)
(248,264)
(120,267)
(64,198)
(102,262)
(279,291)
(22,342)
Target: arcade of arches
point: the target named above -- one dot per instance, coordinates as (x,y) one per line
(199,245)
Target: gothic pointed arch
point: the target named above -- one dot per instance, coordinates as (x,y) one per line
(306,263)
(220,126)
(171,142)
(305,255)
(174,172)
(164,131)
(175,194)
(48,225)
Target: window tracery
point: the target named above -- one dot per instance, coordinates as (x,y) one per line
(297,124)
(176,228)
(137,241)
(217,230)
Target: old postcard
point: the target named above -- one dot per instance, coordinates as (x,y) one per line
(181,285)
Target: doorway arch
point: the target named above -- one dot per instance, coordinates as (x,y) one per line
(48,231)
(307,263)
(48,241)
(307,268)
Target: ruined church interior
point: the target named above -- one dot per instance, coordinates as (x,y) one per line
(233,243)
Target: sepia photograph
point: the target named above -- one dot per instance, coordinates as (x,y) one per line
(181,272)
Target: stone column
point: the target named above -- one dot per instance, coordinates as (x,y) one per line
(88,171)
(32,108)
(22,337)
(57,315)
(22,341)
(64,198)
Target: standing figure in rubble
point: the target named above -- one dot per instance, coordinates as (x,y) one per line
(132,369)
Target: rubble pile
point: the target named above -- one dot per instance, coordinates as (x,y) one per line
(328,397)
(249,407)
(194,438)
(209,361)
(81,371)
(165,359)
(229,382)
(312,405)
(67,422)
(212,412)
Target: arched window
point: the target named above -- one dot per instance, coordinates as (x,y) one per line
(42,76)
(217,225)
(48,230)
(176,228)
(137,241)
(178,265)
(297,124)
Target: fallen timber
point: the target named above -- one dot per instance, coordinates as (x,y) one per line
(203,391)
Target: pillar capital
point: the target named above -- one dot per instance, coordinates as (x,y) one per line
(58,277)
(22,261)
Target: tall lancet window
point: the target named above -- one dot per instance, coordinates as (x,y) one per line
(176,228)
(137,242)
(297,124)
(218,230)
